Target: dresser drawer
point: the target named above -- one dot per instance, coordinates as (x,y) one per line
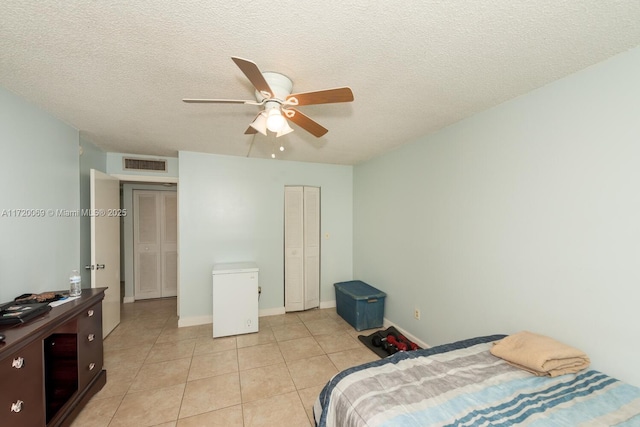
(90,355)
(21,404)
(91,319)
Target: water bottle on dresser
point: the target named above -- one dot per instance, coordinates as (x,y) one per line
(75,284)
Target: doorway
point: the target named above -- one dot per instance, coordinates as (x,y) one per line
(127,242)
(155,243)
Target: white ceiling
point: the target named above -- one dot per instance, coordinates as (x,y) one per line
(117,70)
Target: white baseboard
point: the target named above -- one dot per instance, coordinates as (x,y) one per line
(328,304)
(128,300)
(204,320)
(280,310)
(194,321)
(387,323)
(271,311)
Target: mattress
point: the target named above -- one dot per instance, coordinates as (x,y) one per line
(463,384)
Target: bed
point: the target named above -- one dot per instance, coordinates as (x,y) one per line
(463,384)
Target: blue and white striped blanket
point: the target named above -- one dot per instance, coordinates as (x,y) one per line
(462,384)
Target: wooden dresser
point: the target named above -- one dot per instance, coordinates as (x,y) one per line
(52,365)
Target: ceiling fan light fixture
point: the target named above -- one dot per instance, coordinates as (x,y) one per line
(273,91)
(284,130)
(275,120)
(260,123)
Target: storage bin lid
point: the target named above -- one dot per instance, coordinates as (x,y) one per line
(358,290)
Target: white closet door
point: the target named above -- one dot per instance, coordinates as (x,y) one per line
(293,249)
(169,244)
(302,248)
(146,245)
(311,247)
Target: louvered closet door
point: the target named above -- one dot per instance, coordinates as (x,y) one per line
(146,244)
(302,248)
(311,247)
(169,244)
(293,249)
(155,243)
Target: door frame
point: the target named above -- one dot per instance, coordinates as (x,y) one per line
(142,179)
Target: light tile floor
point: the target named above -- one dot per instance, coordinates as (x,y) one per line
(162,375)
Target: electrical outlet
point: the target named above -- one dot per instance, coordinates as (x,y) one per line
(416,314)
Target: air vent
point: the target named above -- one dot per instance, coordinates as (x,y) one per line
(131,164)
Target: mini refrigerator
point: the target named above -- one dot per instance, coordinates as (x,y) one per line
(235,299)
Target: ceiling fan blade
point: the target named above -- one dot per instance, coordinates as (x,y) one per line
(219,101)
(253,73)
(305,122)
(327,96)
(250,131)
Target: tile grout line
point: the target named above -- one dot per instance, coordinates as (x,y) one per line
(312,317)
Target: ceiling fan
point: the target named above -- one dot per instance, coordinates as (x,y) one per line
(273,92)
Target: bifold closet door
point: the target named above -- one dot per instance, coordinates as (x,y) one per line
(169,243)
(311,247)
(154,244)
(302,248)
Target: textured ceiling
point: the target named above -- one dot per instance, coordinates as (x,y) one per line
(117,70)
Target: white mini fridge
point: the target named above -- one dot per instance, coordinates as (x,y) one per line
(235,298)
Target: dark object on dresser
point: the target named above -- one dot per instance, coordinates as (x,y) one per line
(51,366)
(34,298)
(12,313)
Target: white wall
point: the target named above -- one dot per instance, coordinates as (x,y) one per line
(526,216)
(232,209)
(38,170)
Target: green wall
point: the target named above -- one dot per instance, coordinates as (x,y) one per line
(38,170)
(526,216)
(231,209)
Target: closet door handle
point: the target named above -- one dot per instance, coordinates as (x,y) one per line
(91,337)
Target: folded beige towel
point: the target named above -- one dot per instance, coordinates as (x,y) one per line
(540,355)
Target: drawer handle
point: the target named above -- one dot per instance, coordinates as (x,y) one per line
(91,366)
(91,337)
(17,363)
(90,313)
(17,407)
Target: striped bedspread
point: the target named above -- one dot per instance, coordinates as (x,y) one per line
(462,384)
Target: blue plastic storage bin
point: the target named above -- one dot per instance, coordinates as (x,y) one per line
(360,304)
